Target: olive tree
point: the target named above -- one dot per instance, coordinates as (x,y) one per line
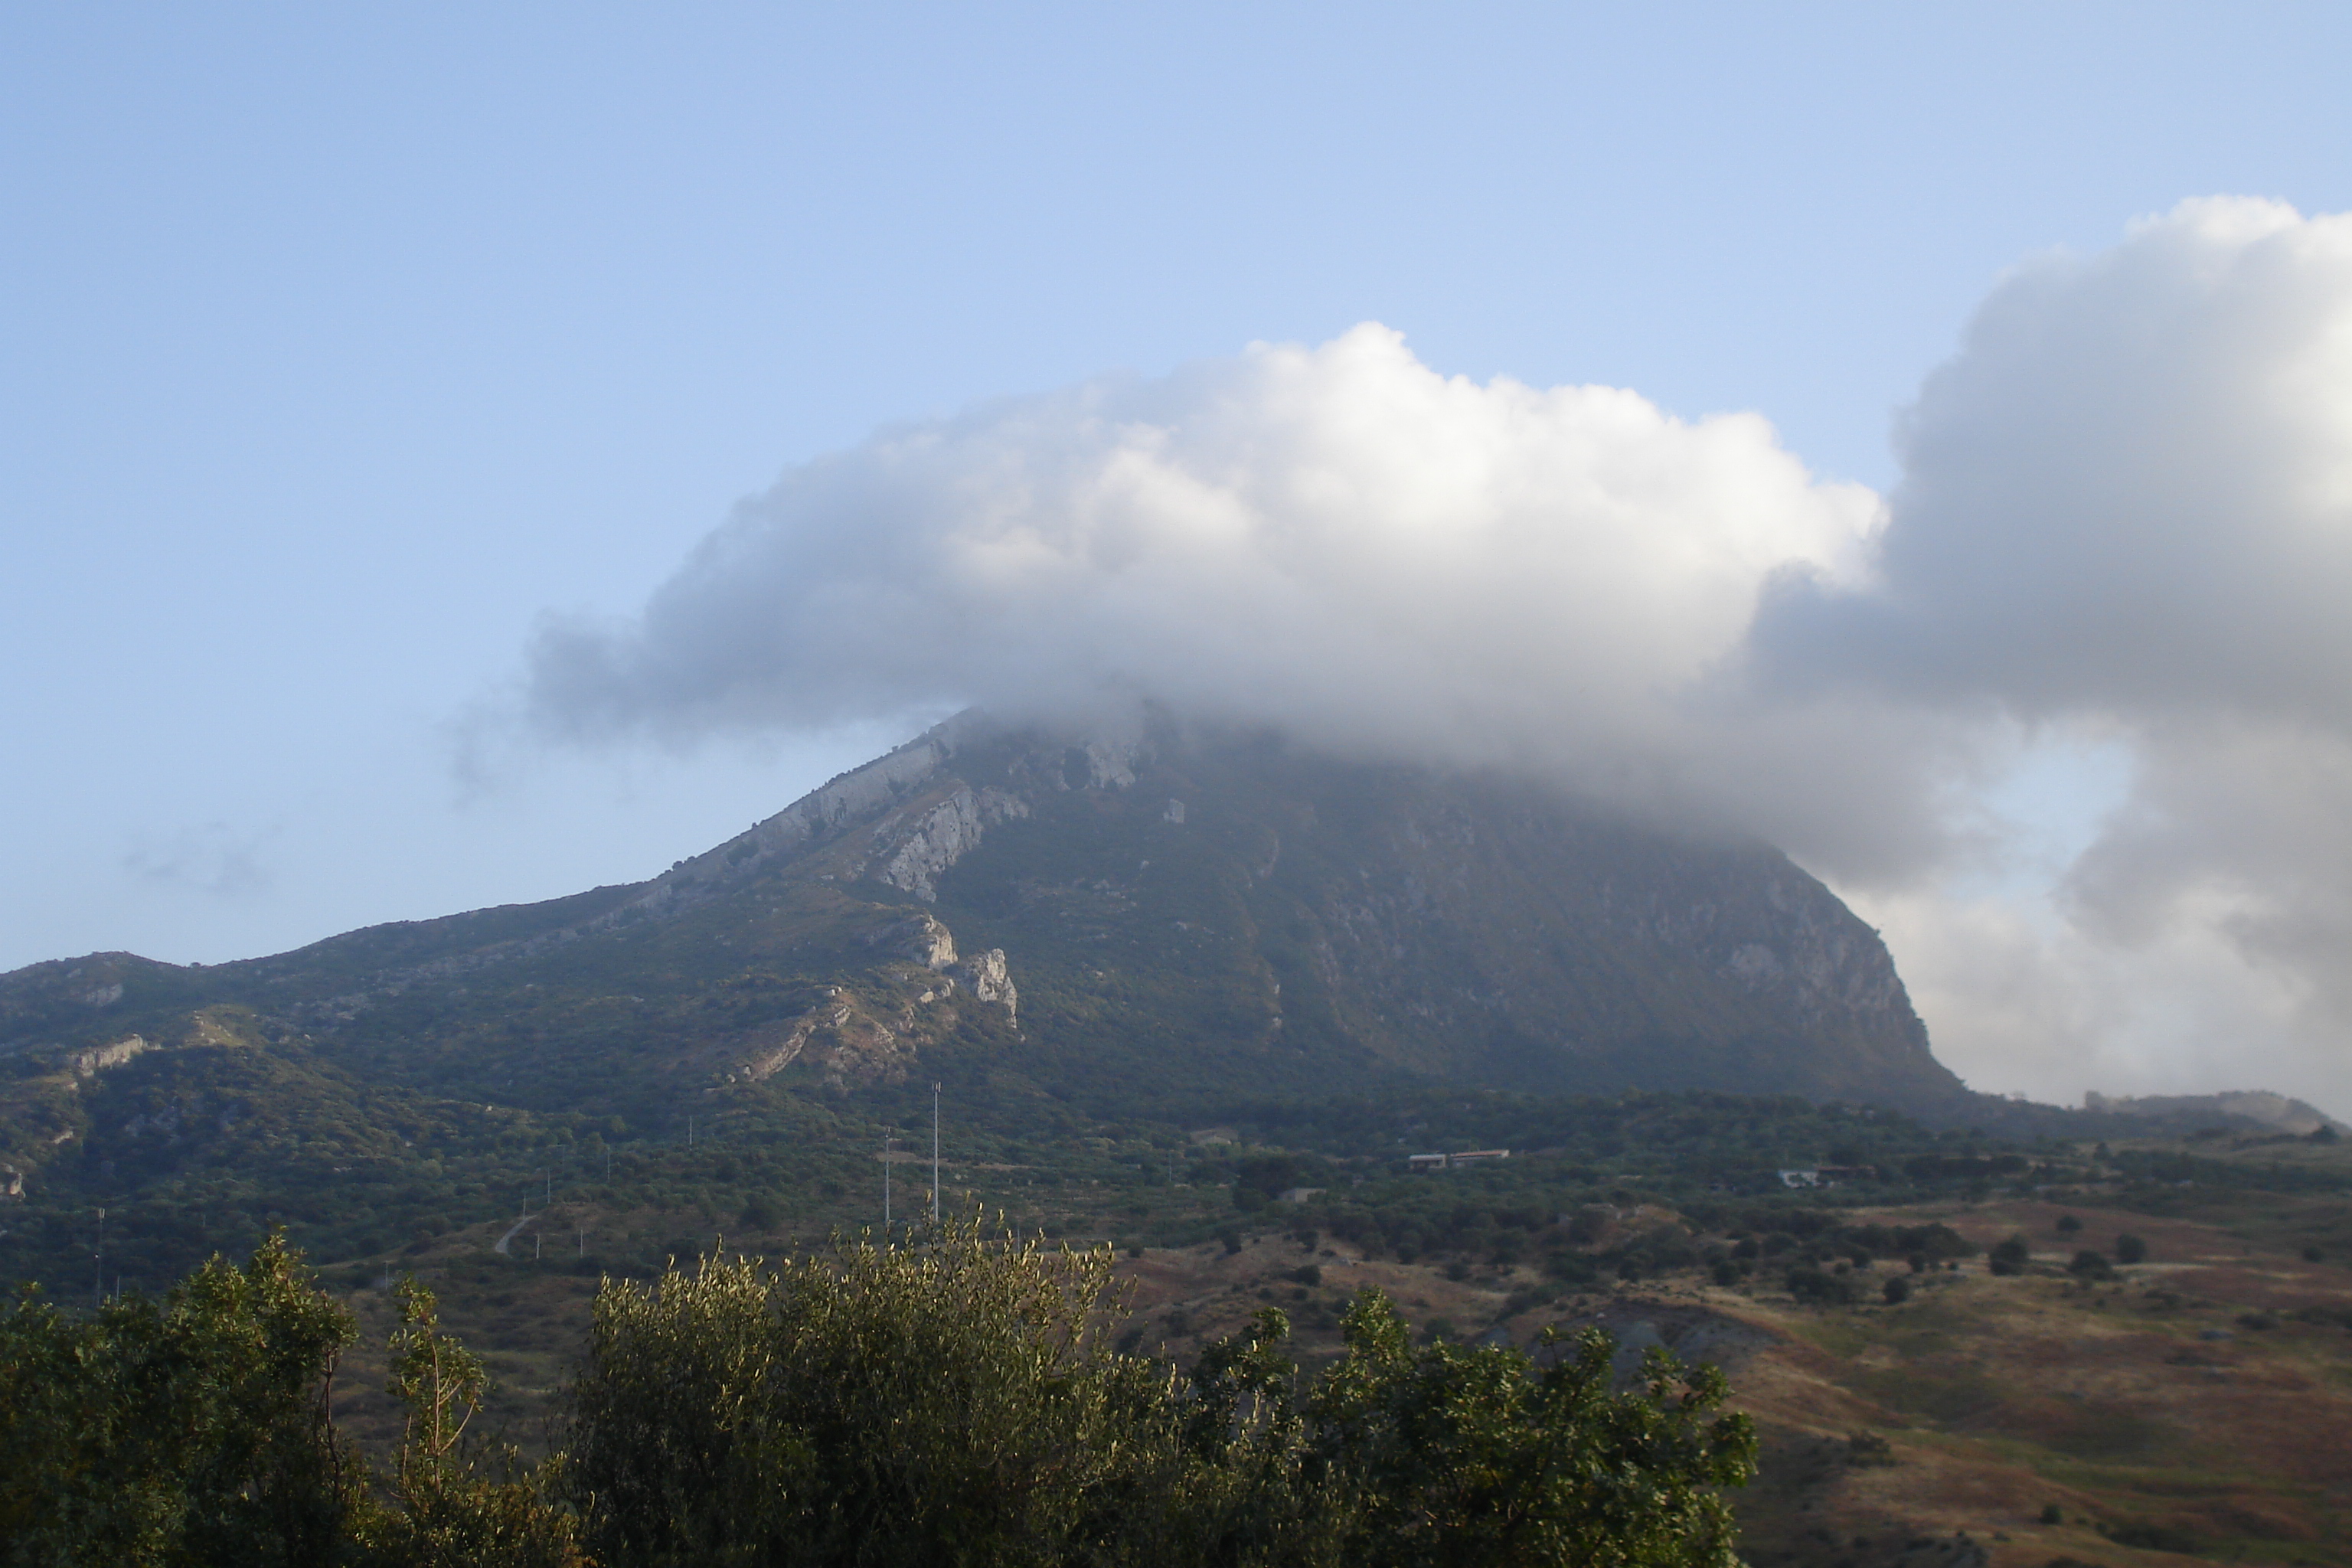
(960,1402)
(193,1430)
(1451,1454)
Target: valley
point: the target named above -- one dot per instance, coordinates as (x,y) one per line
(2196,1404)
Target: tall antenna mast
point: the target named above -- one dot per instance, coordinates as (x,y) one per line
(935,1156)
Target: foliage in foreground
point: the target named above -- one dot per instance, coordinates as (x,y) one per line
(195,1431)
(192,1429)
(958,1403)
(955,1403)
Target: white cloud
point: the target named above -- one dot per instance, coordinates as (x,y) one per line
(2126,503)
(1337,540)
(211,857)
(2125,520)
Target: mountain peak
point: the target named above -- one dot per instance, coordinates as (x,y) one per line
(1150,913)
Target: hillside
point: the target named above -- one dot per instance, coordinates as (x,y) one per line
(1139,927)
(1138,921)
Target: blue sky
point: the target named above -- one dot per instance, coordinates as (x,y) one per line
(339,347)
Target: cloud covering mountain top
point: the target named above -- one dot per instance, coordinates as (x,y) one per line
(2124,524)
(1338,540)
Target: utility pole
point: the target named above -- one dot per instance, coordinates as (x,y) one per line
(935,1156)
(885,1187)
(689,1132)
(550,1175)
(97,1263)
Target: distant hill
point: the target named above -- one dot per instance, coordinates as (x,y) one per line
(2257,1107)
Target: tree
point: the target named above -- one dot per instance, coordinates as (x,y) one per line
(962,1402)
(452,1508)
(2130,1248)
(1450,1454)
(953,1401)
(190,1430)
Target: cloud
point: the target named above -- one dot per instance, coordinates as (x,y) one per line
(2123,522)
(2126,505)
(2130,493)
(1338,540)
(212,858)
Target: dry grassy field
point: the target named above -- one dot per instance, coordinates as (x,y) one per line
(2196,1405)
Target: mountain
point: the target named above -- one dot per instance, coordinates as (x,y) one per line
(1140,918)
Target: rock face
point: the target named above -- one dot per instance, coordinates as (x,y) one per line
(1235,911)
(1148,915)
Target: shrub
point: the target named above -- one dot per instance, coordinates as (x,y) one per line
(1933,1241)
(1897,1290)
(876,1402)
(1570,1267)
(2152,1537)
(2090,1265)
(195,1430)
(2130,1248)
(959,1403)
(461,1500)
(1868,1450)
(2068,1225)
(1452,1455)
(1807,1284)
